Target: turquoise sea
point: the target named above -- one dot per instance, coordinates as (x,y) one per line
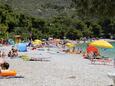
(103,51)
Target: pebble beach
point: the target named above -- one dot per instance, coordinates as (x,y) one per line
(60,70)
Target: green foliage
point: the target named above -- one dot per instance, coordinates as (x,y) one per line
(96,28)
(95,8)
(74,34)
(3,30)
(39,8)
(58,26)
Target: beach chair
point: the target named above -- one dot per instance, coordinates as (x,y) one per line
(112,76)
(102,60)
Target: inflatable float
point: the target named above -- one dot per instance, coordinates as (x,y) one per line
(8,73)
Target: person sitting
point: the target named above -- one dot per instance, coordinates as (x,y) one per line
(14,49)
(97,55)
(10,54)
(67,51)
(13,52)
(3,64)
(3,54)
(91,56)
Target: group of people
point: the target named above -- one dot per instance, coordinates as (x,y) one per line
(4,65)
(13,52)
(91,52)
(73,51)
(91,55)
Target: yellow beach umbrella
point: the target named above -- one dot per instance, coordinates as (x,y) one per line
(37,42)
(101,43)
(70,45)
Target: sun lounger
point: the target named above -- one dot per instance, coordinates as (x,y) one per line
(112,76)
(101,60)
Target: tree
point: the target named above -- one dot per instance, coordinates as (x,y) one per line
(74,34)
(95,8)
(88,32)
(3,30)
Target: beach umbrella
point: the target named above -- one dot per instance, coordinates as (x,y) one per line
(101,43)
(70,45)
(91,48)
(37,42)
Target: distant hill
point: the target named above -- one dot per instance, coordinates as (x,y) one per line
(42,8)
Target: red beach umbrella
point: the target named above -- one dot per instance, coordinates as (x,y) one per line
(91,48)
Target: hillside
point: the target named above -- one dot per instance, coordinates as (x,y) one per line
(93,19)
(42,8)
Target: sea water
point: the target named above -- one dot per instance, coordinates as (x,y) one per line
(103,51)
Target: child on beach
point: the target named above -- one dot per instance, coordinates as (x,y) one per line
(3,64)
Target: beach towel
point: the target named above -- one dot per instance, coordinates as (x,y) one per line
(25,57)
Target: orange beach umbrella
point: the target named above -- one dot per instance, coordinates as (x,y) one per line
(91,48)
